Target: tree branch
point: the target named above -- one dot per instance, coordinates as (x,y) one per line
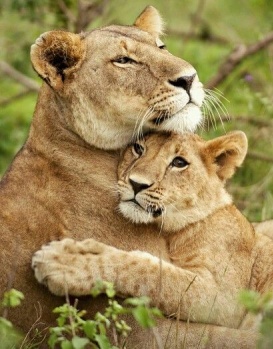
(87,12)
(15,97)
(196,17)
(19,77)
(259,156)
(246,119)
(236,57)
(202,36)
(71,19)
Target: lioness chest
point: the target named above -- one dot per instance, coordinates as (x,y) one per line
(56,199)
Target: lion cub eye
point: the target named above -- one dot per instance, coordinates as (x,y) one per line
(124,60)
(138,149)
(179,162)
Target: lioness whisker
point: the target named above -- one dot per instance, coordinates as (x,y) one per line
(211,118)
(214,101)
(220,105)
(216,92)
(138,123)
(139,133)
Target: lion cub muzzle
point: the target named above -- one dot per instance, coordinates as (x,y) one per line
(151,208)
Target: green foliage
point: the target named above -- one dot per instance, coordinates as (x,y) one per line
(261,305)
(12,298)
(74,332)
(141,311)
(9,335)
(11,338)
(33,10)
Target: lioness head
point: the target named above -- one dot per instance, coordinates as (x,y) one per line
(177,179)
(118,81)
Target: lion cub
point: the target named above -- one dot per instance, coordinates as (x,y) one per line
(178,182)
(211,251)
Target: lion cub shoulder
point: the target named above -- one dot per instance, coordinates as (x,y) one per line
(178,182)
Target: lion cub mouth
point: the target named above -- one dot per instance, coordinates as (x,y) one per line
(152,209)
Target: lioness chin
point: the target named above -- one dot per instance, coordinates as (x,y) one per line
(211,252)
(100,90)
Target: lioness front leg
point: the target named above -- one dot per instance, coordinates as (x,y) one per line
(73,267)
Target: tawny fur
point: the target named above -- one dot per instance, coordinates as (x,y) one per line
(62,182)
(208,251)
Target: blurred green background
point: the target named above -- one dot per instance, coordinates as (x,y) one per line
(203,32)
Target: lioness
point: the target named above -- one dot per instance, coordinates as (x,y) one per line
(211,251)
(100,89)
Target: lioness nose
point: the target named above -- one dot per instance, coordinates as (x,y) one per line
(137,187)
(184,82)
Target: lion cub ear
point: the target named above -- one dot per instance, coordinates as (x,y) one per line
(150,21)
(227,152)
(56,55)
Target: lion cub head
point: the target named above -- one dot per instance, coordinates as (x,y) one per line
(176,180)
(118,81)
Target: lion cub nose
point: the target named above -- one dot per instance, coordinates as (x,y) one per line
(184,82)
(137,187)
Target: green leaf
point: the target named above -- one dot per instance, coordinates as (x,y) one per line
(103,341)
(137,301)
(98,288)
(90,329)
(10,337)
(143,317)
(110,290)
(12,298)
(102,329)
(61,321)
(66,344)
(61,309)
(250,299)
(79,343)
(57,330)
(5,323)
(157,312)
(103,287)
(53,339)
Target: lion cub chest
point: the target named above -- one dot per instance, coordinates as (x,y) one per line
(223,252)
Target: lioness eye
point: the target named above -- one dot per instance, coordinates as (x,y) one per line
(138,149)
(123,60)
(179,162)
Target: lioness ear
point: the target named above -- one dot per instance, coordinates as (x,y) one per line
(150,21)
(56,55)
(227,152)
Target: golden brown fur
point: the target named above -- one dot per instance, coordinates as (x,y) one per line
(61,182)
(211,251)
